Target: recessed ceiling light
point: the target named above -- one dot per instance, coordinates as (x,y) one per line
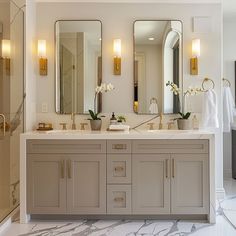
(151,39)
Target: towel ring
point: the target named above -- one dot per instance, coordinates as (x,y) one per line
(206,80)
(153,99)
(227,81)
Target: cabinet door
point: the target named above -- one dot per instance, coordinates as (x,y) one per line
(189,184)
(86,184)
(151,184)
(46,184)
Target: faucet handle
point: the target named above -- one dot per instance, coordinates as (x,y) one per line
(63,126)
(82,126)
(150,126)
(170,123)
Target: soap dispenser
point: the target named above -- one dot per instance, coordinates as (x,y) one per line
(113,119)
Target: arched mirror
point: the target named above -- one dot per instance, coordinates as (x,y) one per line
(157,60)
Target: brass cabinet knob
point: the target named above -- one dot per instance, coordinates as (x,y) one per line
(119,168)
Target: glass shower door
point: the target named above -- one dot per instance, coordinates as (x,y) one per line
(11,103)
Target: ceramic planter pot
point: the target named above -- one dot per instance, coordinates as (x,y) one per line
(184,124)
(96,124)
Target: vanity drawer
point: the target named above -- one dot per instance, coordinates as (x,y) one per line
(170,146)
(119,169)
(66,146)
(119,199)
(118,146)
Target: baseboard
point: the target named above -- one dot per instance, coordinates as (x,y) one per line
(8,220)
(220,193)
(227,173)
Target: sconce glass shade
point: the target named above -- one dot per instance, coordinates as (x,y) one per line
(42,49)
(6,48)
(196,47)
(117,48)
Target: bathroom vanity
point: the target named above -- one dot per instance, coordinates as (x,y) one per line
(110,175)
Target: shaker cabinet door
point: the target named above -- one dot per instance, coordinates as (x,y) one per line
(86,184)
(151,184)
(46,184)
(189,184)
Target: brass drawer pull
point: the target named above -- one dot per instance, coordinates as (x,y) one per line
(173,168)
(119,199)
(167,165)
(119,146)
(69,169)
(119,168)
(62,169)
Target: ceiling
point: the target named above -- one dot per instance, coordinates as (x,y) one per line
(229,6)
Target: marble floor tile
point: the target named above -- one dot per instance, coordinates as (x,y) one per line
(225,224)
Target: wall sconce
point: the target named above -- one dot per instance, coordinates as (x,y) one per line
(196,49)
(43,61)
(117,56)
(6,53)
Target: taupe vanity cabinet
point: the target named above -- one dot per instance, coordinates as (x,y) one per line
(118,177)
(66,177)
(170,177)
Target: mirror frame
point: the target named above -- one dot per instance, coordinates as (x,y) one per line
(57,83)
(182,74)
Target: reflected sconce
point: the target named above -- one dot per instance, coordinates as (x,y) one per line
(117,56)
(43,61)
(196,50)
(6,53)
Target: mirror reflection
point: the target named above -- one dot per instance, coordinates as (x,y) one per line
(78,65)
(157,60)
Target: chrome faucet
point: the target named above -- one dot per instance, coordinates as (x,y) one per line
(73,126)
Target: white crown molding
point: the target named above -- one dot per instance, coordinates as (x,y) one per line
(137,1)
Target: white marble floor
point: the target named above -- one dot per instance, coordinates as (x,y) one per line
(225,225)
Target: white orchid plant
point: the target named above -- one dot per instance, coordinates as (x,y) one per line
(103,88)
(191,91)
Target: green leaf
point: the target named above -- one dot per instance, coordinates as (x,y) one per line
(187,115)
(93,115)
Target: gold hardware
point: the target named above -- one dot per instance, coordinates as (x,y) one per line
(117,66)
(194,66)
(170,123)
(63,126)
(4,124)
(173,168)
(206,80)
(82,126)
(167,162)
(43,66)
(119,146)
(119,199)
(151,126)
(227,81)
(69,169)
(62,169)
(119,168)
(160,123)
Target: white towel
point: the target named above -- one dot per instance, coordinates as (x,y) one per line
(210,111)
(153,108)
(228,109)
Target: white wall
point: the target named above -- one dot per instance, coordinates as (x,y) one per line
(229,40)
(117,20)
(30,65)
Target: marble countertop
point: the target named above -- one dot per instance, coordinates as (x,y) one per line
(133,134)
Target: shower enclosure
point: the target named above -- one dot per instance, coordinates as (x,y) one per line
(11,102)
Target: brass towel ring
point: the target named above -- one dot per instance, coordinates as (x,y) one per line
(206,80)
(227,81)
